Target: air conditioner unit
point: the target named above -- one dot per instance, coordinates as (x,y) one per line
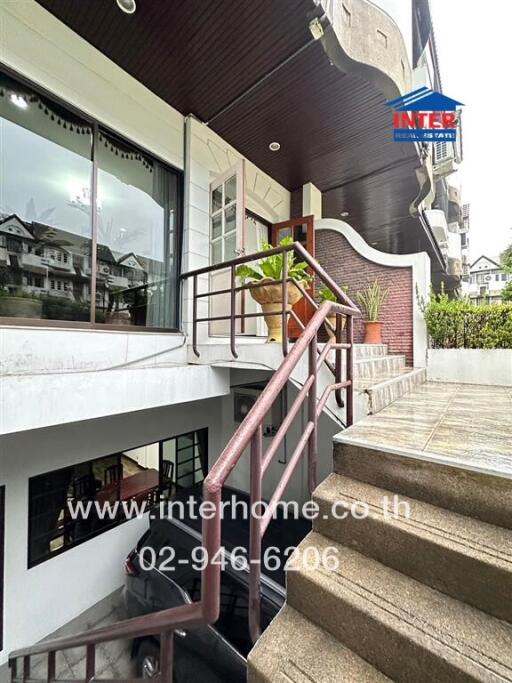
(442,151)
(444,158)
(242,404)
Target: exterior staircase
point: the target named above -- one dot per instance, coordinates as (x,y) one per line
(381,378)
(419,596)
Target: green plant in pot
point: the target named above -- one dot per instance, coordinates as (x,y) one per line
(326,294)
(372,299)
(267,275)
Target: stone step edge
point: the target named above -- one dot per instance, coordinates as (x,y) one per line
(415,525)
(294,649)
(437,624)
(413,373)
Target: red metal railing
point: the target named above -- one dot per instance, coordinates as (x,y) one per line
(249,433)
(315,268)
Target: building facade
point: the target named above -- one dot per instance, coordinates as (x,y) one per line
(122,170)
(486,281)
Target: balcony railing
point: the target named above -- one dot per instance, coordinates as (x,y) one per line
(249,434)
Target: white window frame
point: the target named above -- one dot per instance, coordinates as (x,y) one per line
(236,171)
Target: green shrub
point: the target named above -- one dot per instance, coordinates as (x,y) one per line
(458,324)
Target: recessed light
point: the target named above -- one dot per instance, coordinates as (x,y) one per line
(274,147)
(127,6)
(344,214)
(19,101)
(374,244)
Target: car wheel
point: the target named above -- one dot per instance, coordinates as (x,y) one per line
(148,660)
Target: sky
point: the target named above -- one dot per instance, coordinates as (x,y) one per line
(474,45)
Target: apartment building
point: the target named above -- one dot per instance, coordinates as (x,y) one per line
(486,281)
(136,148)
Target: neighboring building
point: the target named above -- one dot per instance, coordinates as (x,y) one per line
(487,280)
(136,149)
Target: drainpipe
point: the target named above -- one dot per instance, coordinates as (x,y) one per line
(185,287)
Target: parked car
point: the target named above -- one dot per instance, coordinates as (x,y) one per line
(211,654)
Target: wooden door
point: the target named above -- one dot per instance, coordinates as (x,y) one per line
(301,230)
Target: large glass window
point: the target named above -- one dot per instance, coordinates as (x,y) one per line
(45,217)
(70,505)
(137,207)
(186,456)
(54,166)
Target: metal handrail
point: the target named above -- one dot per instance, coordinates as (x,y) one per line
(250,432)
(231,265)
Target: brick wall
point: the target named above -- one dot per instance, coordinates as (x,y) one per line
(350,269)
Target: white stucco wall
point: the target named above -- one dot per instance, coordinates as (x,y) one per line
(297,488)
(37,601)
(470,366)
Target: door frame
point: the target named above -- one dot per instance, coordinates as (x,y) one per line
(303,309)
(216,304)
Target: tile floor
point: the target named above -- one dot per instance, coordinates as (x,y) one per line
(470,423)
(112,659)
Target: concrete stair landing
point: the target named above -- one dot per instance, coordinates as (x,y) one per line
(407,573)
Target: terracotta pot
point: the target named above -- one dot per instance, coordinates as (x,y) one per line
(332,320)
(372,332)
(269,296)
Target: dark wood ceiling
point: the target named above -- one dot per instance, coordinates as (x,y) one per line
(217,59)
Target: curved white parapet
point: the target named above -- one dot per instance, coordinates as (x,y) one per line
(371,45)
(420,267)
(437,221)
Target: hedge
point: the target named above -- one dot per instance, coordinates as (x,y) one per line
(458,324)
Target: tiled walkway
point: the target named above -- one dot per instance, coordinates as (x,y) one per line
(468,423)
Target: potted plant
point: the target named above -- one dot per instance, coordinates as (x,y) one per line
(269,294)
(325,294)
(371,299)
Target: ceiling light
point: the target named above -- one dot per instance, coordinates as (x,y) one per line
(344,214)
(274,147)
(19,101)
(127,6)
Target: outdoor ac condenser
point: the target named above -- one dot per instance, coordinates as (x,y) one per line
(242,404)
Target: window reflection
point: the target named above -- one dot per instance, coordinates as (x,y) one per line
(45,223)
(136,232)
(46,219)
(143,475)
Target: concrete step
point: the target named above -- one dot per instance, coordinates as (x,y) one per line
(383,390)
(294,650)
(378,366)
(472,493)
(405,629)
(460,556)
(370,350)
